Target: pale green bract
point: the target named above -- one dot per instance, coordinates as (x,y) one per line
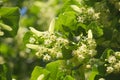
(40,77)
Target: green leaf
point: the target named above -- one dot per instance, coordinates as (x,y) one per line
(27,36)
(9,16)
(79,72)
(66,22)
(68,77)
(102,69)
(106,54)
(67,19)
(67,53)
(39,71)
(53,67)
(67,5)
(5,73)
(96,28)
(35,9)
(93,73)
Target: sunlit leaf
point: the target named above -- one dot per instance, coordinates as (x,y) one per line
(38,73)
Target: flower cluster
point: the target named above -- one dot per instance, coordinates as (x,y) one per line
(47,45)
(85,13)
(113,63)
(85,49)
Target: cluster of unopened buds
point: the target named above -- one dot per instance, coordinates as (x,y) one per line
(85,13)
(86,48)
(113,63)
(47,45)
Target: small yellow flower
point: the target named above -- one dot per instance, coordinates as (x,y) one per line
(90,10)
(112,59)
(46,57)
(110,69)
(32,40)
(96,16)
(88,66)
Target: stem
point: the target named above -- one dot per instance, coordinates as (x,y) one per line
(76,67)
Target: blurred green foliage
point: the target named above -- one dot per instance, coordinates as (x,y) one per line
(18,62)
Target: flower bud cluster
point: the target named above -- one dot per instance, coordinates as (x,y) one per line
(86,48)
(113,63)
(48,46)
(85,13)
